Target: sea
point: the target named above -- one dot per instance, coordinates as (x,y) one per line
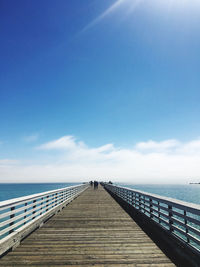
(9,191)
(188,192)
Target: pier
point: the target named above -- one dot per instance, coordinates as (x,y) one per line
(92,229)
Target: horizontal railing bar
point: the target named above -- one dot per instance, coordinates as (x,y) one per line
(179,214)
(186,226)
(195,239)
(143,208)
(163,220)
(186,234)
(48,202)
(22,220)
(137,203)
(32,215)
(29,211)
(164,214)
(161,207)
(179,222)
(186,217)
(35,199)
(190,207)
(181,231)
(7,229)
(194,230)
(153,214)
(26,207)
(193,220)
(13,202)
(157,208)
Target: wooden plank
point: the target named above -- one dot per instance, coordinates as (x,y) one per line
(93,230)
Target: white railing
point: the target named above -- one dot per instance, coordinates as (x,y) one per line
(181,219)
(20,216)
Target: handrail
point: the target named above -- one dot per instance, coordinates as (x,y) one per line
(180,219)
(32,211)
(29,197)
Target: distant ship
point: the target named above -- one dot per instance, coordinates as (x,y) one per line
(194,183)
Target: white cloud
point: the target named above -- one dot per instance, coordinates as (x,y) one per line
(76,150)
(63,143)
(192,148)
(152,146)
(5,162)
(168,161)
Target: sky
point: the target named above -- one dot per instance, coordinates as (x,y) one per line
(100,89)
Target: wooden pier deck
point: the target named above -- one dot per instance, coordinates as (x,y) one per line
(93,230)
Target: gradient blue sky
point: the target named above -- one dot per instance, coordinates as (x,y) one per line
(103,72)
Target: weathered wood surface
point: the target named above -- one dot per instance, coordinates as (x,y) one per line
(93,230)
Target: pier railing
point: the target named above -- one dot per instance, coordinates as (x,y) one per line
(20,216)
(178,218)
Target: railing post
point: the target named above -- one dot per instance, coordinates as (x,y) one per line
(126,195)
(65,194)
(159,212)
(132,201)
(115,190)
(139,197)
(129,197)
(61,199)
(151,207)
(68,194)
(186,229)
(56,199)
(14,214)
(144,202)
(34,201)
(11,216)
(25,212)
(41,205)
(72,193)
(47,204)
(170,218)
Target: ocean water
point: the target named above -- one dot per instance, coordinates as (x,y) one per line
(188,193)
(8,191)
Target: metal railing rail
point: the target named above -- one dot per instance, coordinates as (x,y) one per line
(16,213)
(179,218)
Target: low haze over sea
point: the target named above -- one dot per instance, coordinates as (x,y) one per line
(188,193)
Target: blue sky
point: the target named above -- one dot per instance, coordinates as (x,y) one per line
(118,73)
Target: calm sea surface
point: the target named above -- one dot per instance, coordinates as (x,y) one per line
(8,191)
(188,193)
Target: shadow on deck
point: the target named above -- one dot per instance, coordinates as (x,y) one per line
(93,230)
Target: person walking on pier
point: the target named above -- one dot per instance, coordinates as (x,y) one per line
(96,185)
